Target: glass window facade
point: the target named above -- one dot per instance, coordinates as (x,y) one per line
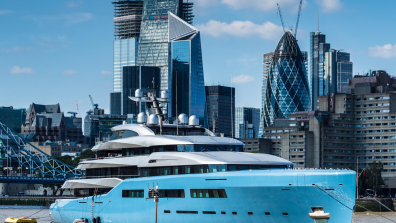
(125,53)
(186,68)
(287,85)
(14,118)
(247,121)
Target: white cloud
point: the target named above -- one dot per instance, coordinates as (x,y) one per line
(329,5)
(105,72)
(78,17)
(16,49)
(385,51)
(23,70)
(3,12)
(242,79)
(69,72)
(264,5)
(73,3)
(267,30)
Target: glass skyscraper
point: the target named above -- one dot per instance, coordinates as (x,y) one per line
(247,121)
(330,69)
(267,59)
(318,48)
(338,70)
(141,39)
(287,89)
(187,93)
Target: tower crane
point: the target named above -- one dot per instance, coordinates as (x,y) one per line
(78,113)
(280,14)
(93,105)
(298,19)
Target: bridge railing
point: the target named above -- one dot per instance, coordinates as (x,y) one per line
(27,155)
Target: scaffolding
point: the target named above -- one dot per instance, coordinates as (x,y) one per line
(127,18)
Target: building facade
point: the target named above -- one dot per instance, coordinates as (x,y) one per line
(330,69)
(287,87)
(13,117)
(220,106)
(267,60)
(61,148)
(138,77)
(257,145)
(185,69)
(247,122)
(97,125)
(141,39)
(48,123)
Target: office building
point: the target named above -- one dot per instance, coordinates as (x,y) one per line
(48,123)
(138,77)
(153,42)
(287,85)
(317,75)
(346,129)
(97,125)
(247,122)
(13,117)
(141,39)
(220,106)
(267,60)
(187,94)
(61,148)
(256,145)
(330,69)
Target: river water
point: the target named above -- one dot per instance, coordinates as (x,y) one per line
(42,216)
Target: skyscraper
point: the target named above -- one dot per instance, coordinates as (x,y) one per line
(247,121)
(318,49)
(141,39)
(153,43)
(287,86)
(127,20)
(220,105)
(267,59)
(186,75)
(338,70)
(330,69)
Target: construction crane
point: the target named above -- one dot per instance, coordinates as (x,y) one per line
(298,19)
(78,113)
(73,114)
(280,14)
(93,105)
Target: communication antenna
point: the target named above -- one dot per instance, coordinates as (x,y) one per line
(78,113)
(232,120)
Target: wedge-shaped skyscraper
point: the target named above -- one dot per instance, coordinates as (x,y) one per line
(287,89)
(187,93)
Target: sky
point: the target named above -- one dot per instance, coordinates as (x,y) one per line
(62,51)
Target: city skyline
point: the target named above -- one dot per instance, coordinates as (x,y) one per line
(63,52)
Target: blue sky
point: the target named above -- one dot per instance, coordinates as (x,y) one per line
(61,51)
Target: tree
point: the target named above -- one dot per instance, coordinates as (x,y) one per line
(371,178)
(86,154)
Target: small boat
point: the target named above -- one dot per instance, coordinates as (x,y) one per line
(20,220)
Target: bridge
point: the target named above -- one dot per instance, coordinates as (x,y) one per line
(25,163)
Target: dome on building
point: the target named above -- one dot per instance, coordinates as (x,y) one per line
(287,87)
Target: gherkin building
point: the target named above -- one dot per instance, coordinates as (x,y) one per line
(287,87)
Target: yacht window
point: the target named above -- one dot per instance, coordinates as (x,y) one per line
(133,193)
(199,148)
(181,148)
(208,193)
(173,193)
(127,133)
(190,148)
(211,148)
(217,168)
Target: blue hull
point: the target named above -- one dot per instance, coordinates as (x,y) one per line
(256,191)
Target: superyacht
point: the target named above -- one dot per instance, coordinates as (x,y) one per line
(159,172)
